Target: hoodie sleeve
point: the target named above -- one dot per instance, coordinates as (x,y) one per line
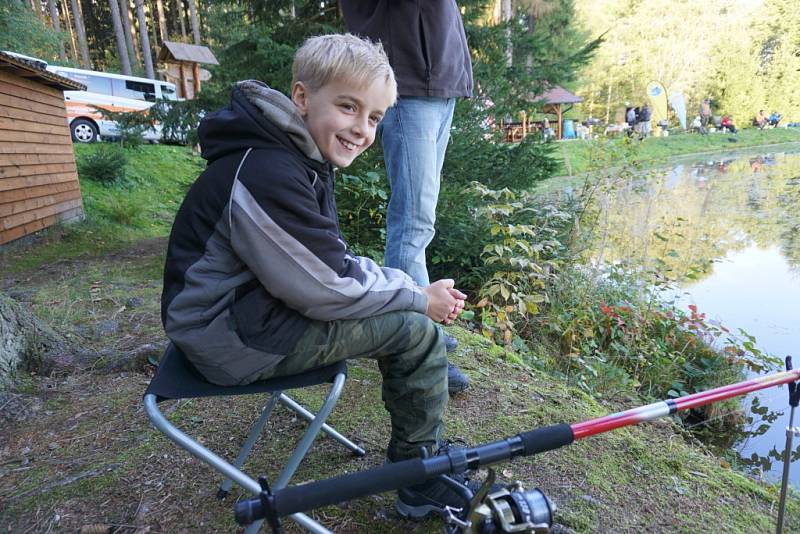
(278,230)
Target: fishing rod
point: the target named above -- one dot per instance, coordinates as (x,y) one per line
(490,510)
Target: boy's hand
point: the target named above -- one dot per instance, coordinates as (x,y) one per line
(444,301)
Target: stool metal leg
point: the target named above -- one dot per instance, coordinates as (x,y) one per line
(313,429)
(255,432)
(217,462)
(290,403)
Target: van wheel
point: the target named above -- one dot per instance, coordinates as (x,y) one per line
(83,131)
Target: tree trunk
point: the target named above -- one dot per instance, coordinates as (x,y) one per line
(81,31)
(119,34)
(195,21)
(162,20)
(51,5)
(179,12)
(36,6)
(68,22)
(506,13)
(127,26)
(25,342)
(148,56)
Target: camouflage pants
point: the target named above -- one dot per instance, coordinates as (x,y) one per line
(411,356)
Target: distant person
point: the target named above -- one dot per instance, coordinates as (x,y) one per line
(705,113)
(644,122)
(697,125)
(760,121)
(774,119)
(630,119)
(727,124)
(547,130)
(427,48)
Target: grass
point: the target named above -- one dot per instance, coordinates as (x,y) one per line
(579,156)
(142,206)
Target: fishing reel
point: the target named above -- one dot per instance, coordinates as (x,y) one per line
(496,509)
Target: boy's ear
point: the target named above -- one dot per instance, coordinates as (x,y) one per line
(300,97)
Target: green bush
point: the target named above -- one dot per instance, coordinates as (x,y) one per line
(106,163)
(179,120)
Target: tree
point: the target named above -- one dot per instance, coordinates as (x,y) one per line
(127,27)
(119,34)
(21,30)
(51,5)
(162,21)
(83,47)
(180,16)
(148,57)
(195,22)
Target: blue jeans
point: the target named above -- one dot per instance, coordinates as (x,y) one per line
(414,134)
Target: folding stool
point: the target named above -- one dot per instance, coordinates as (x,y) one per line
(176,378)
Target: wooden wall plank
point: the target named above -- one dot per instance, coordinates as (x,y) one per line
(36,148)
(20,125)
(16,195)
(14,171)
(39,224)
(14,113)
(11,184)
(18,102)
(31,85)
(40,209)
(7,160)
(62,137)
(32,95)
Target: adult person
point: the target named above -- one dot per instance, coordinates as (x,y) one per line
(727,124)
(427,48)
(760,121)
(644,119)
(705,112)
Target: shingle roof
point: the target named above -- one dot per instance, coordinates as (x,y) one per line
(186,52)
(558,95)
(34,69)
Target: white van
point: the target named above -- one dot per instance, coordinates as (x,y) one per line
(113,92)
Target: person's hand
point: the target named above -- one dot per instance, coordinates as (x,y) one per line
(444,301)
(458,308)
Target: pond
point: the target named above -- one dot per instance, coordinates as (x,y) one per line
(726,230)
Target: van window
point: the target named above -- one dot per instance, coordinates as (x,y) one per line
(168,92)
(135,90)
(94,84)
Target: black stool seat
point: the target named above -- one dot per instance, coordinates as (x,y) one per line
(177,378)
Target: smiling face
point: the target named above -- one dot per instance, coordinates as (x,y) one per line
(342,119)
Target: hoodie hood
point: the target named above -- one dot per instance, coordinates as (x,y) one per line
(257,117)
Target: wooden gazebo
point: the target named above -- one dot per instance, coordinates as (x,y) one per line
(183,66)
(553,100)
(38,178)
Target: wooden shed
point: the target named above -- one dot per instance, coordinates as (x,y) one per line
(38,178)
(183,66)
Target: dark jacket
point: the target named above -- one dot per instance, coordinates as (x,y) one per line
(424,39)
(255,252)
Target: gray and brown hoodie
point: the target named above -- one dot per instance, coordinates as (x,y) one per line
(256,253)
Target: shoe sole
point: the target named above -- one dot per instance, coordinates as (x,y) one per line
(415,512)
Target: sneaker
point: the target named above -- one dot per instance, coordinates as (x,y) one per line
(417,502)
(456,380)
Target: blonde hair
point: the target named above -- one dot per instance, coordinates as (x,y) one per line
(342,57)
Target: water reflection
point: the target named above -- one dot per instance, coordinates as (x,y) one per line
(724,231)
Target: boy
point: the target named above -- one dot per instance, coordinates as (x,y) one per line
(258,281)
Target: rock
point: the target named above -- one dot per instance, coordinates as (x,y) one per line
(134,360)
(104,328)
(134,302)
(22,295)
(16,407)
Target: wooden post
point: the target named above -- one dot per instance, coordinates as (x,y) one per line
(196,76)
(183,80)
